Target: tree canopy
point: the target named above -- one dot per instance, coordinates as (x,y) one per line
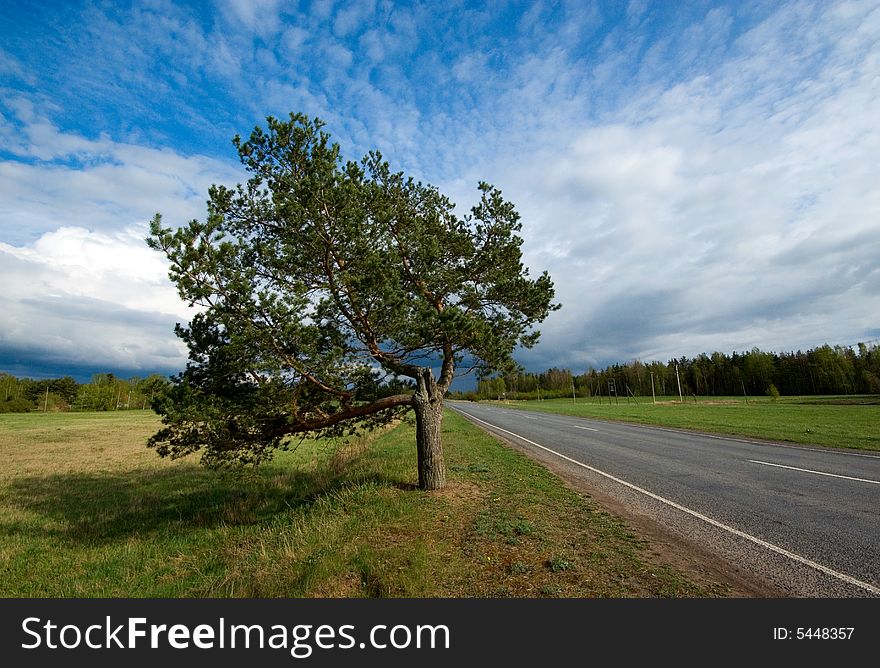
(318,278)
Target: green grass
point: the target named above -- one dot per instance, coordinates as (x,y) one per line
(838,422)
(87,510)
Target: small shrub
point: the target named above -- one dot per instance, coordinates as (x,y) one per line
(558,564)
(518,568)
(17,405)
(550,590)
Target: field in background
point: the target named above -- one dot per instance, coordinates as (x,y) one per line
(840,421)
(86,510)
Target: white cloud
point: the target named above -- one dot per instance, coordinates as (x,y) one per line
(256,16)
(12,68)
(117,268)
(98,184)
(352,16)
(293,40)
(90,298)
(80,284)
(734,209)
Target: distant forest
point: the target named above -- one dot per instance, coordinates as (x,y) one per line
(105,392)
(823,370)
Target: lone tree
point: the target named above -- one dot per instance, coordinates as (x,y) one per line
(315,278)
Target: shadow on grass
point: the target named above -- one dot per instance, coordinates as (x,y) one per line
(96,508)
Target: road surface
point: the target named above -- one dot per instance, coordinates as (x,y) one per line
(805,519)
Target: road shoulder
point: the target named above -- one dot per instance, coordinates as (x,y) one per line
(667,545)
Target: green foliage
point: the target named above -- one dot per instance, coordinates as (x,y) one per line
(315,274)
(61,392)
(557,564)
(17,405)
(821,371)
(20,395)
(491,388)
(105,392)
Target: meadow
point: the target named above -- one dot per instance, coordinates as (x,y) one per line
(838,421)
(86,510)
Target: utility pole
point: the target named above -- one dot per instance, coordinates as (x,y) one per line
(46,404)
(573,395)
(653,396)
(678,379)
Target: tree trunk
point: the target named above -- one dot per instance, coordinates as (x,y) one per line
(428,405)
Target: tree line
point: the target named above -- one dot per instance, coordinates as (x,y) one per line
(819,371)
(822,370)
(104,392)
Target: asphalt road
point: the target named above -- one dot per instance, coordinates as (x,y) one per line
(806,519)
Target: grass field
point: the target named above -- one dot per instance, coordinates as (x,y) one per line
(839,422)
(87,510)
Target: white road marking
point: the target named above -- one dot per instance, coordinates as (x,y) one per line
(587,428)
(832,475)
(726,437)
(693,513)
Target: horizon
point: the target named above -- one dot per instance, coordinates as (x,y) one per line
(84,375)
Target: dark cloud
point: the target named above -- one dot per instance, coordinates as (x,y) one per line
(40,363)
(97,312)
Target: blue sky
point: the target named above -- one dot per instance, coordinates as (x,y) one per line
(695,176)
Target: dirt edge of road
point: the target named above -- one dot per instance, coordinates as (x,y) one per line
(665,545)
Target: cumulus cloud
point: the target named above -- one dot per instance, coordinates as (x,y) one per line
(736,209)
(80,286)
(89,298)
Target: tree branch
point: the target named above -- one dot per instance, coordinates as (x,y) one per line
(354,412)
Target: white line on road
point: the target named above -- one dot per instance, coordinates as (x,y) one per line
(754,539)
(832,475)
(690,432)
(587,428)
